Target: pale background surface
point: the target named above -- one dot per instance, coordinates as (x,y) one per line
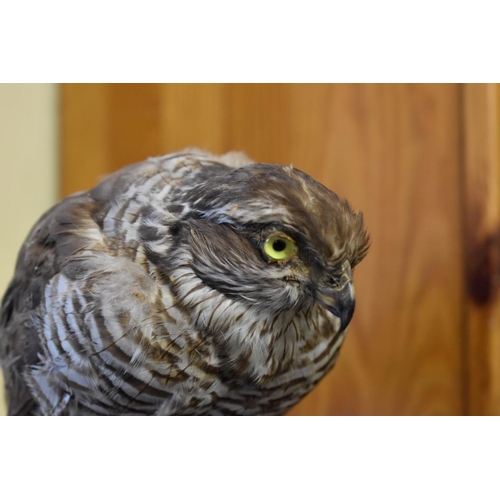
(28,168)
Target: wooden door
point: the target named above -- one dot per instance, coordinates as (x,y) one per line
(405,155)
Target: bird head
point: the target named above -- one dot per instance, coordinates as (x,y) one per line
(276,239)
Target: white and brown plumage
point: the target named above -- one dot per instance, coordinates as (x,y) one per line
(157,292)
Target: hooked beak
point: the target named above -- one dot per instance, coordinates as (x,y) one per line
(340,301)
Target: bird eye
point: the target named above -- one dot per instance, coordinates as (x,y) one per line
(279,247)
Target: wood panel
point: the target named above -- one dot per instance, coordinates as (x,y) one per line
(393,150)
(104,127)
(482,243)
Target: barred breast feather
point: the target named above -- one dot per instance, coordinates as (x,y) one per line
(150,294)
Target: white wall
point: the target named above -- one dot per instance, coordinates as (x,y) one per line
(28,167)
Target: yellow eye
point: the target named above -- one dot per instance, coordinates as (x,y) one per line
(279,247)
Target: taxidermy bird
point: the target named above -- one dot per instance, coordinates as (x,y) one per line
(187,284)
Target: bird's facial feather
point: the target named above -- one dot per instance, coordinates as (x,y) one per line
(231,262)
(263,195)
(235,217)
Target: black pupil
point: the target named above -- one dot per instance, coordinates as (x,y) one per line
(279,245)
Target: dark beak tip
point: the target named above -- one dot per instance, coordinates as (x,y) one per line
(345,315)
(341,303)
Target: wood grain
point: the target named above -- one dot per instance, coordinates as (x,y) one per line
(84,149)
(393,150)
(104,127)
(482,242)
